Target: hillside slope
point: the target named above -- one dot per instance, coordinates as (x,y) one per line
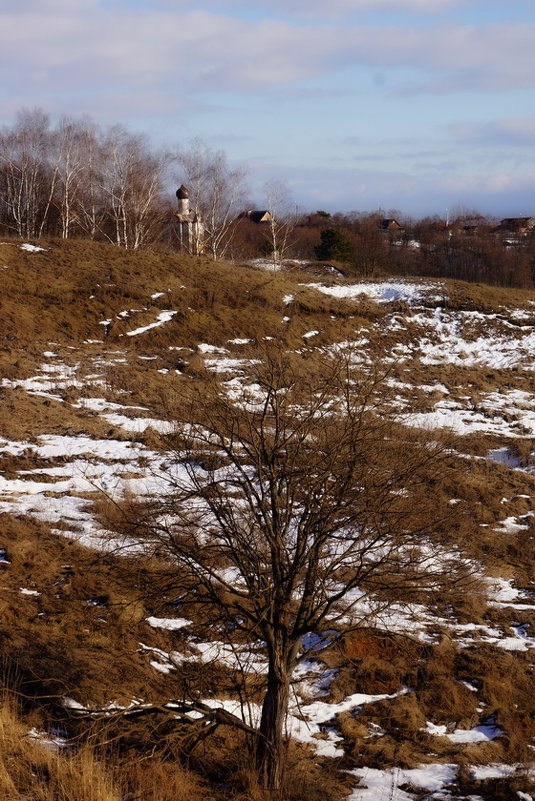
(96,347)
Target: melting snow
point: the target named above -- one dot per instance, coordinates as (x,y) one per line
(31,248)
(379,784)
(497,771)
(454,338)
(169,623)
(204,347)
(508,414)
(163,317)
(479,734)
(51,741)
(383,292)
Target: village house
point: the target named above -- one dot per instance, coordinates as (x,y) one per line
(258,217)
(517,225)
(391,227)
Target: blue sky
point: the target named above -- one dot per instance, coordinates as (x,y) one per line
(418,105)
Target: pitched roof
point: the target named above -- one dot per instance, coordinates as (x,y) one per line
(256,215)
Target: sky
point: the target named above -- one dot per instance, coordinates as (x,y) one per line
(418,105)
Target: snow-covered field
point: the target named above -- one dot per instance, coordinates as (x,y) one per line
(73,470)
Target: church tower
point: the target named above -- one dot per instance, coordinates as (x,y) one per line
(183,200)
(189,226)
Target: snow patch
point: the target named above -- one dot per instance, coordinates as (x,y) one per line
(382,292)
(378,784)
(169,623)
(31,248)
(162,318)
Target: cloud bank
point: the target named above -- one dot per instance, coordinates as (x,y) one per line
(297,81)
(200,50)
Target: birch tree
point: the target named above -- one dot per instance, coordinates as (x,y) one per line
(90,200)
(132,179)
(283,219)
(75,147)
(27,174)
(217,192)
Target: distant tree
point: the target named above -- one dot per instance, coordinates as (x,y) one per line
(317,220)
(132,185)
(283,219)
(473,254)
(76,179)
(217,191)
(89,197)
(74,145)
(371,253)
(335,245)
(305,239)
(27,176)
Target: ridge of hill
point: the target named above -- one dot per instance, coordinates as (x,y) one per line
(94,342)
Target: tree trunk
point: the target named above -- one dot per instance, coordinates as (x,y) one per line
(270,753)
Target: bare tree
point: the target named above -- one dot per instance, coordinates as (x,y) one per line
(300,509)
(75,146)
(283,219)
(217,192)
(90,205)
(28,178)
(371,252)
(132,184)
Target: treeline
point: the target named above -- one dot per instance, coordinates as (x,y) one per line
(470,247)
(77,179)
(482,256)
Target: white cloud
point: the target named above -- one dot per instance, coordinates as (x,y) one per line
(509,131)
(68,44)
(319,8)
(333,189)
(168,66)
(65,47)
(456,57)
(334,8)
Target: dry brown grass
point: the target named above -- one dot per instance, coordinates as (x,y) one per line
(33,766)
(58,644)
(59,641)
(229,761)
(499,789)
(371,661)
(63,293)
(29,768)
(23,415)
(485,298)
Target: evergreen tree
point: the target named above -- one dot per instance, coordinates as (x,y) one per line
(335,245)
